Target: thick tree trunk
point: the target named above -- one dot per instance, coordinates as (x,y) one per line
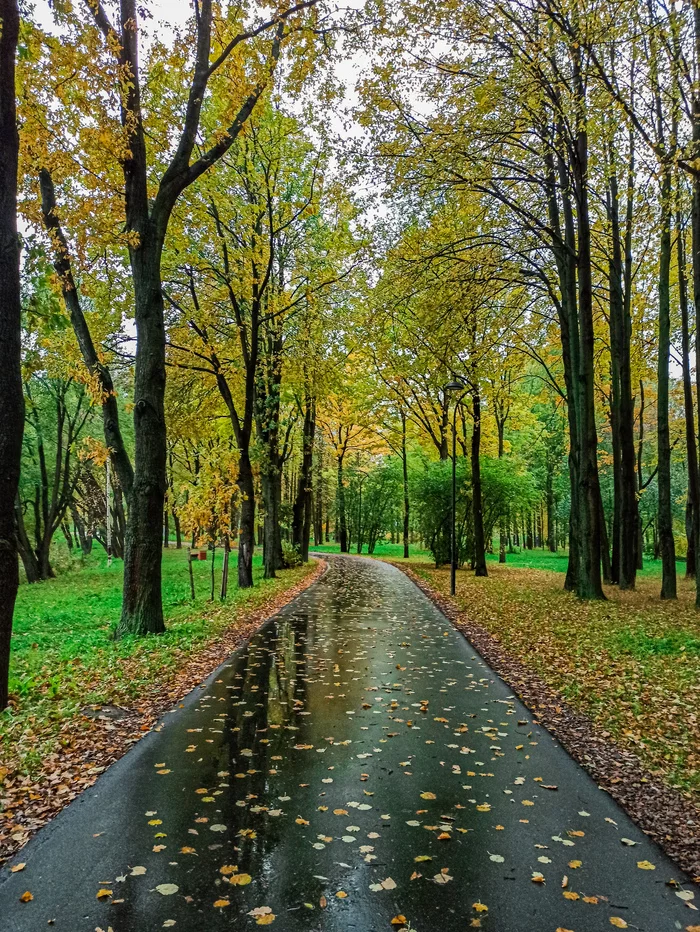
(477,501)
(271,485)
(564,250)
(142,603)
(695,247)
(11,395)
(588,583)
(624,537)
(666,541)
(689,408)
(246,537)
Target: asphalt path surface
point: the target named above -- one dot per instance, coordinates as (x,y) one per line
(355,766)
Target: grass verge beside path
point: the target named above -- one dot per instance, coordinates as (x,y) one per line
(55,739)
(631,664)
(536,559)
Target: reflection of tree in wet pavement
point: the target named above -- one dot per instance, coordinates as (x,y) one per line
(355,766)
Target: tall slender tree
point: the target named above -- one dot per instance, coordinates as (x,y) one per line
(11,396)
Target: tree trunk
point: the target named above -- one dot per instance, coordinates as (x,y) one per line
(624,542)
(83,536)
(271,536)
(604,544)
(666,541)
(318,500)
(166,526)
(11,395)
(178,531)
(26,551)
(301,514)
(689,409)
(246,537)
(142,602)
(342,517)
(551,536)
(695,247)
(477,502)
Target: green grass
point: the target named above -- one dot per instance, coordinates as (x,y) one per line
(63,657)
(640,644)
(526,559)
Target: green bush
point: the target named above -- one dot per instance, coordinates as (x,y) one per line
(290,555)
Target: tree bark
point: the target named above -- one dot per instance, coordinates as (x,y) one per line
(142,603)
(689,409)
(301,513)
(246,537)
(695,247)
(342,517)
(589,583)
(666,541)
(11,395)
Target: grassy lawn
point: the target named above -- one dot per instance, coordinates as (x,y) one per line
(631,663)
(63,658)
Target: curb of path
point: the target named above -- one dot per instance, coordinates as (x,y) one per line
(31,811)
(662,813)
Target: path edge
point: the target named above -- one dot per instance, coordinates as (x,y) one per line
(199,669)
(662,813)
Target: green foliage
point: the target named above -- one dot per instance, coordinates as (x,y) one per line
(432,495)
(290,555)
(641,645)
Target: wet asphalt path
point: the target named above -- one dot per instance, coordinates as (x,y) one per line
(355,763)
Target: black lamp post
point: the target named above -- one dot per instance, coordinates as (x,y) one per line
(454,386)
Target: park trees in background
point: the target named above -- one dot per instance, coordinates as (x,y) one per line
(220,66)
(578,127)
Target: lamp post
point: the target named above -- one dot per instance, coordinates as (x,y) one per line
(454,386)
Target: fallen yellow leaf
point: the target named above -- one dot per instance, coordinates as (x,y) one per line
(26,897)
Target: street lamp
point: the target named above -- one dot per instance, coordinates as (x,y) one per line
(456,385)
